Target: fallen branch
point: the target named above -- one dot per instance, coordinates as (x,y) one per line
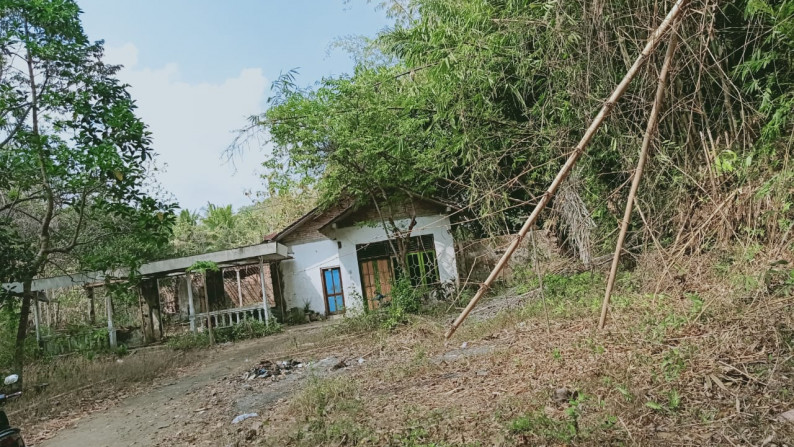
(606,109)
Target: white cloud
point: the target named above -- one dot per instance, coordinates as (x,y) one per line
(191,124)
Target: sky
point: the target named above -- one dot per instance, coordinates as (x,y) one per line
(199,68)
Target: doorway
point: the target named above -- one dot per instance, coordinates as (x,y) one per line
(332,289)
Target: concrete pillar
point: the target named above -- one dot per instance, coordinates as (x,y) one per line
(159,309)
(265,306)
(239,288)
(50,295)
(191,307)
(111,329)
(91,310)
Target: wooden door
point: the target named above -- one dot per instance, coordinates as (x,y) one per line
(376,279)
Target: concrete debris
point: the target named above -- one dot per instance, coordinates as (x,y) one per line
(243,417)
(788,416)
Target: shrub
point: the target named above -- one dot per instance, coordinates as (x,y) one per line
(189,341)
(254,329)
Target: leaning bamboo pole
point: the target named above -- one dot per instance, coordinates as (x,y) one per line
(650,130)
(606,109)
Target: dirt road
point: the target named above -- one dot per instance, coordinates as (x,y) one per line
(172,406)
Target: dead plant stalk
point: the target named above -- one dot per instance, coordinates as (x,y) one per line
(606,109)
(653,121)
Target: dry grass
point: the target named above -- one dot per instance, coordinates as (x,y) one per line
(706,362)
(62,390)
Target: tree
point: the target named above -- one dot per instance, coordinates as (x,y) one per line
(74,156)
(481,100)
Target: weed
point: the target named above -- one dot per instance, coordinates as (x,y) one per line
(672,405)
(672,364)
(697,304)
(538,424)
(673,400)
(555,354)
(321,395)
(624,391)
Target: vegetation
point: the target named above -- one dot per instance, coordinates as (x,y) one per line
(219,228)
(475,103)
(74,187)
(246,330)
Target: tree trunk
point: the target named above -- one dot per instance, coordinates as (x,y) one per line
(22,330)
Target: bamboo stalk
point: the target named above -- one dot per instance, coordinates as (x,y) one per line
(650,130)
(653,42)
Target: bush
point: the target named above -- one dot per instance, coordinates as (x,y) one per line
(254,329)
(407,297)
(189,341)
(9,321)
(243,331)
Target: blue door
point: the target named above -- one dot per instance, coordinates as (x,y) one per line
(332,289)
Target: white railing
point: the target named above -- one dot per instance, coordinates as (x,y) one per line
(230,317)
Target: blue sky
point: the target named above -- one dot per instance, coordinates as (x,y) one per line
(198,68)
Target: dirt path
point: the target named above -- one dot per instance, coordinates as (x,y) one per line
(147,418)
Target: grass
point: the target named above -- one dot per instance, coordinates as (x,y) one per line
(329,409)
(668,368)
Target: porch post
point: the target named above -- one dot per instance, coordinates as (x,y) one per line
(111,329)
(36,318)
(264,293)
(159,308)
(92,310)
(239,287)
(190,306)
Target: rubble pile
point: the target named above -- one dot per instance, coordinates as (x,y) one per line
(267,369)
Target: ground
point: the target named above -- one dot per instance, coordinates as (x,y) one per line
(704,363)
(172,406)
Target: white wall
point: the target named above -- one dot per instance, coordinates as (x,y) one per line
(302,277)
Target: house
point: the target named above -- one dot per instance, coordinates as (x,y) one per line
(331,260)
(342,258)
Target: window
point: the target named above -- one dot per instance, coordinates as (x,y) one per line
(422,268)
(378,265)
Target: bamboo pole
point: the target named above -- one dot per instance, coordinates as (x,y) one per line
(653,42)
(650,130)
